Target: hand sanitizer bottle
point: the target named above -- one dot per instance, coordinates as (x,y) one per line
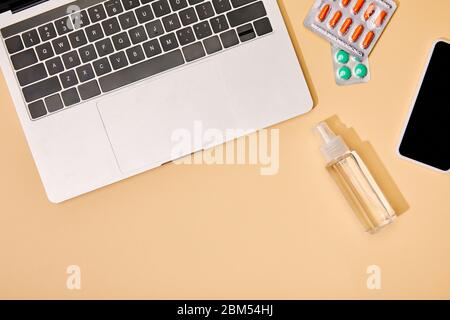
(366,197)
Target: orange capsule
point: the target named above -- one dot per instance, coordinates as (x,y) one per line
(381,18)
(358,6)
(346,25)
(345,3)
(358,32)
(370,11)
(368,39)
(335,20)
(324,13)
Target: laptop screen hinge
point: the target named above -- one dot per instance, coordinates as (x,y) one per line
(23,5)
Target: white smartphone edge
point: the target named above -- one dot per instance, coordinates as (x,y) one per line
(411,109)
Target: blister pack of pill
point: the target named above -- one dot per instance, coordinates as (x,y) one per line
(349,69)
(352,25)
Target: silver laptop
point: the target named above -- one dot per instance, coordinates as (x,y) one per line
(100,86)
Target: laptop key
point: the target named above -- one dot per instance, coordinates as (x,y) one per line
(41,89)
(171,22)
(30,38)
(127,20)
(240,3)
(188,16)
(85,73)
(64,26)
(113,7)
(24,59)
(154,29)
(229,38)
(204,10)
(193,51)
(14,44)
(185,36)
(144,14)
(221,6)
(130,4)
(47,32)
(54,66)
(94,32)
(97,13)
(212,44)
(263,26)
(87,53)
(70,97)
(44,51)
(61,45)
(161,8)
(121,41)
(68,79)
(89,90)
(118,60)
(152,48)
(111,26)
(246,14)
(246,32)
(101,66)
(31,74)
(104,47)
(202,30)
(54,103)
(80,19)
(137,35)
(37,109)
(77,39)
(141,70)
(178,4)
(193,2)
(71,59)
(169,42)
(219,24)
(135,54)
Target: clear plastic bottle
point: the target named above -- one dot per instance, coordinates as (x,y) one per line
(364,194)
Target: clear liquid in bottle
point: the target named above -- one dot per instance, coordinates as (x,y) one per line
(361,189)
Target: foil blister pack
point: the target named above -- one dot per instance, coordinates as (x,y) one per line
(349,69)
(352,25)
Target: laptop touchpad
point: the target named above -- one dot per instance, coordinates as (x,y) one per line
(144,123)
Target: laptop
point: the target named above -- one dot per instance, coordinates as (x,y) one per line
(100,87)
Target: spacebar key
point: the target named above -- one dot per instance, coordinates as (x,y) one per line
(141,71)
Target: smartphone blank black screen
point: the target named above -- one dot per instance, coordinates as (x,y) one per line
(427,136)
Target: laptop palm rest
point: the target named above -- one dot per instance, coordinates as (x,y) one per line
(143,121)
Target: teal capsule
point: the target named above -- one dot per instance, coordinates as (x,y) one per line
(361,71)
(342,57)
(345,73)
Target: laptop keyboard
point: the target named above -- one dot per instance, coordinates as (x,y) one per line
(61,60)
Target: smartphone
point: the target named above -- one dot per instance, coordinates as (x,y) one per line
(426,135)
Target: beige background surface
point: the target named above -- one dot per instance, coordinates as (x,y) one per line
(228,232)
